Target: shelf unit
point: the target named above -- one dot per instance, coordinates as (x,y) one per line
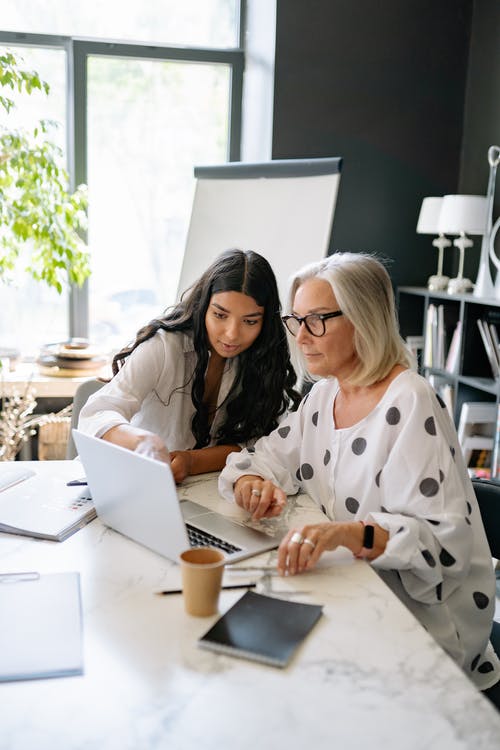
(473,380)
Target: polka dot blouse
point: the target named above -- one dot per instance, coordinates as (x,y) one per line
(400,467)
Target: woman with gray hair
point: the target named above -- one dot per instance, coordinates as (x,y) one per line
(375,447)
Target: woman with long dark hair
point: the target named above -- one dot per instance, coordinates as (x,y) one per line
(212,374)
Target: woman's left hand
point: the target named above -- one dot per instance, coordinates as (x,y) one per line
(301,549)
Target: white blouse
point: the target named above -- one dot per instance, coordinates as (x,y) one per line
(400,467)
(153,391)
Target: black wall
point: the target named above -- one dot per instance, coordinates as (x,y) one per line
(392,86)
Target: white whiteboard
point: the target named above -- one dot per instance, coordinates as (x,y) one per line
(282,209)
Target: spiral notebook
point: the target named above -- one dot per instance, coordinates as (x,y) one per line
(262,628)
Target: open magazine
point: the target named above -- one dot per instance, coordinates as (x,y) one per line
(44,499)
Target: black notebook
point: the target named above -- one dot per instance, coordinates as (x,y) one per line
(262,628)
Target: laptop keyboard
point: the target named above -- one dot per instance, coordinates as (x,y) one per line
(199,538)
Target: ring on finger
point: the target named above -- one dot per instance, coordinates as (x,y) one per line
(309,542)
(296,538)
(257,493)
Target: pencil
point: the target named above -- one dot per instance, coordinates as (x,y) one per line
(235,586)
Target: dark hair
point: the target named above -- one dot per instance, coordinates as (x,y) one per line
(264,386)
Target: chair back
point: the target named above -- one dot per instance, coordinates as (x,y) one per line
(82,394)
(488,497)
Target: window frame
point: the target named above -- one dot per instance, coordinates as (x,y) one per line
(78,51)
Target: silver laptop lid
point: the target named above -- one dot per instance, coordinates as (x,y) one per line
(133,494)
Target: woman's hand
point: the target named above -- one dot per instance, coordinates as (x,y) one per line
(152,446)
(301,549)
(181,463)
(258,496)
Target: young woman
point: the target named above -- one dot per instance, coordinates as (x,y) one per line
(375,447)
(210,375)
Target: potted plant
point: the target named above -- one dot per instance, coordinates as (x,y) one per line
(40,221)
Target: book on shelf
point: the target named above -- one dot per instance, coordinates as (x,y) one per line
(36,501)
(430,324)
(495,459)
(453,356)
(485,332)
(262,628)
(495,341)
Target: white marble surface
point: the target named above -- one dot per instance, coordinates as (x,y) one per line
(367,676)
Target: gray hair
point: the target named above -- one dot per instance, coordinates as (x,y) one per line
(363,290)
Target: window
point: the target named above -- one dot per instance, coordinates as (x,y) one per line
(141,118)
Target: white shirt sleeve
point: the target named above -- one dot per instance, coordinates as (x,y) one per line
(424,506)
(118,401)
(272,457)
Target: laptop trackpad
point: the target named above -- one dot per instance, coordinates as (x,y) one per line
(214,523)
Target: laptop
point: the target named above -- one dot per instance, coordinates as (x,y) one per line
(137,496)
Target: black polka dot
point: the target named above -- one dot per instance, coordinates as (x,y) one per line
(452,451)
(307,471)
(284,431)
(393,415)
(352,505)
(430,426)
(315,418)
(358,446)
(446,559)
(481,599)
(441,476)
(439,591)
(251,449)
(429,487)
(440,400)
(323,509)
(485,667)
(467,521)
(297,474)
(433,521)
(469,508)
(377,478)
(429,559)
(474,662)
(383,509)
(243,464)
(327,457)
(401,528)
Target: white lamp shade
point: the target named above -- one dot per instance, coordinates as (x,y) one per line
(428,219)
(463,213)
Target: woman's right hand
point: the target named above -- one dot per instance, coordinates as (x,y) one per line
(152,446)
(258,496)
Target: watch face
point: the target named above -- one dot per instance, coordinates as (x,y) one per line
(368,537)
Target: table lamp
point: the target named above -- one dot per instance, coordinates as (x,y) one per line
(428,224)
(462,215)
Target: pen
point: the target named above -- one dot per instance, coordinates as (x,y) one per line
(77,483)
(235,586)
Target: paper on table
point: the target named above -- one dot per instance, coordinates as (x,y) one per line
(40,626)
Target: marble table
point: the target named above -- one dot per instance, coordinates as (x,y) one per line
(368,675)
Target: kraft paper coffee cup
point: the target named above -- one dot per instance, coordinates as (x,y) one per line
(201,569)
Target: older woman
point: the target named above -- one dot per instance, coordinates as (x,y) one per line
(375,447)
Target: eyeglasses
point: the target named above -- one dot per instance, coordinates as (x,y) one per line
(314,322)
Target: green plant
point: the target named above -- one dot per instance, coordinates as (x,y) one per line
(38,216)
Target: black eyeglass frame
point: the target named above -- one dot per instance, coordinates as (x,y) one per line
(319,316)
